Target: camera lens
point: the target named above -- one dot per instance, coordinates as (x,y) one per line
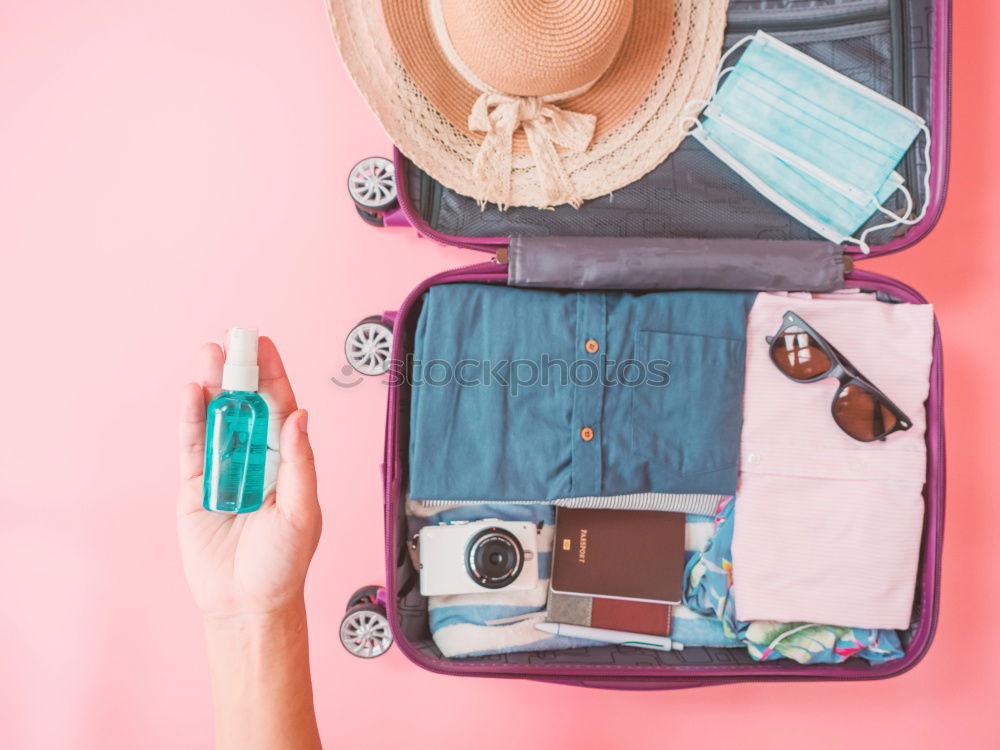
(494,558)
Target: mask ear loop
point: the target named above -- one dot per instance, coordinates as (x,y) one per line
(693,107)
(901,219)
(691,122)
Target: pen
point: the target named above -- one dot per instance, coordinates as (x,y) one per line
(619,637)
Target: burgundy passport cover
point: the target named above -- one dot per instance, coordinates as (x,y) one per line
(612,614)
(633,617)
(624,554)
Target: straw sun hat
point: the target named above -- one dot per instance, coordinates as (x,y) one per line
(531,102)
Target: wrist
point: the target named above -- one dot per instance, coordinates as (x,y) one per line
(261,659)
(289,616)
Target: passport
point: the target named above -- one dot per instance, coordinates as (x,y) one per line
(635,555)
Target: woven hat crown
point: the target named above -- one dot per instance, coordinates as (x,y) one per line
(536,47)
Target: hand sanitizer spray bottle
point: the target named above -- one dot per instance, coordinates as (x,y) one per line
(236,432)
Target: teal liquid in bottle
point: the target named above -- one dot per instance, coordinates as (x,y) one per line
(236,432)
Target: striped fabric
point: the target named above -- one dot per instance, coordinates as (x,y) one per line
(827,529)
(699,504)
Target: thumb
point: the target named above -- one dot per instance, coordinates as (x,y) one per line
(295,493)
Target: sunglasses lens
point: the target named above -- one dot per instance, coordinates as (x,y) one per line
(798,355)
(862,414)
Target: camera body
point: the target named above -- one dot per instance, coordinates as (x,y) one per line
(477,557)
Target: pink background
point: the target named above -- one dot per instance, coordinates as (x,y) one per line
(168,169)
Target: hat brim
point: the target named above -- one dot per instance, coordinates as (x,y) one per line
(668,57)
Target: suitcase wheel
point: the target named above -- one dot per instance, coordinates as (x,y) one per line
(369,345)
(364,595)
(372,187)
(369,217)
(364,631)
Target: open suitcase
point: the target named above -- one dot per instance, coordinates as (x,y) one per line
(897,47)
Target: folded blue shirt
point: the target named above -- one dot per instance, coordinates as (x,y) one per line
(521,394)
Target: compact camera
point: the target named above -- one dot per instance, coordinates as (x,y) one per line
(469,557)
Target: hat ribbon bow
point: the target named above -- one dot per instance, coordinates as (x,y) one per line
(545,125)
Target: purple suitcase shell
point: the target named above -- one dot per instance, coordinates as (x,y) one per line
(689,670)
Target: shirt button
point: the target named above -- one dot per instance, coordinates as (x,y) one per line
(586,434)
(754,458)
(592,346)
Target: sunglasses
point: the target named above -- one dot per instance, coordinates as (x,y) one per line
(859,408)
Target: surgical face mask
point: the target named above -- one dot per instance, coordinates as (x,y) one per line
(819,145)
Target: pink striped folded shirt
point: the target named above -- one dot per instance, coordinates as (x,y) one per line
(827,528)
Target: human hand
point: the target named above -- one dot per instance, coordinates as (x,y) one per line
(252,563)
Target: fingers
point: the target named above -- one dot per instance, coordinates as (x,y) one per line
(191,431)
(210,361)
(274,389)
(296,488)
(191,442)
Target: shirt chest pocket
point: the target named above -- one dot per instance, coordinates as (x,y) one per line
(687,410)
